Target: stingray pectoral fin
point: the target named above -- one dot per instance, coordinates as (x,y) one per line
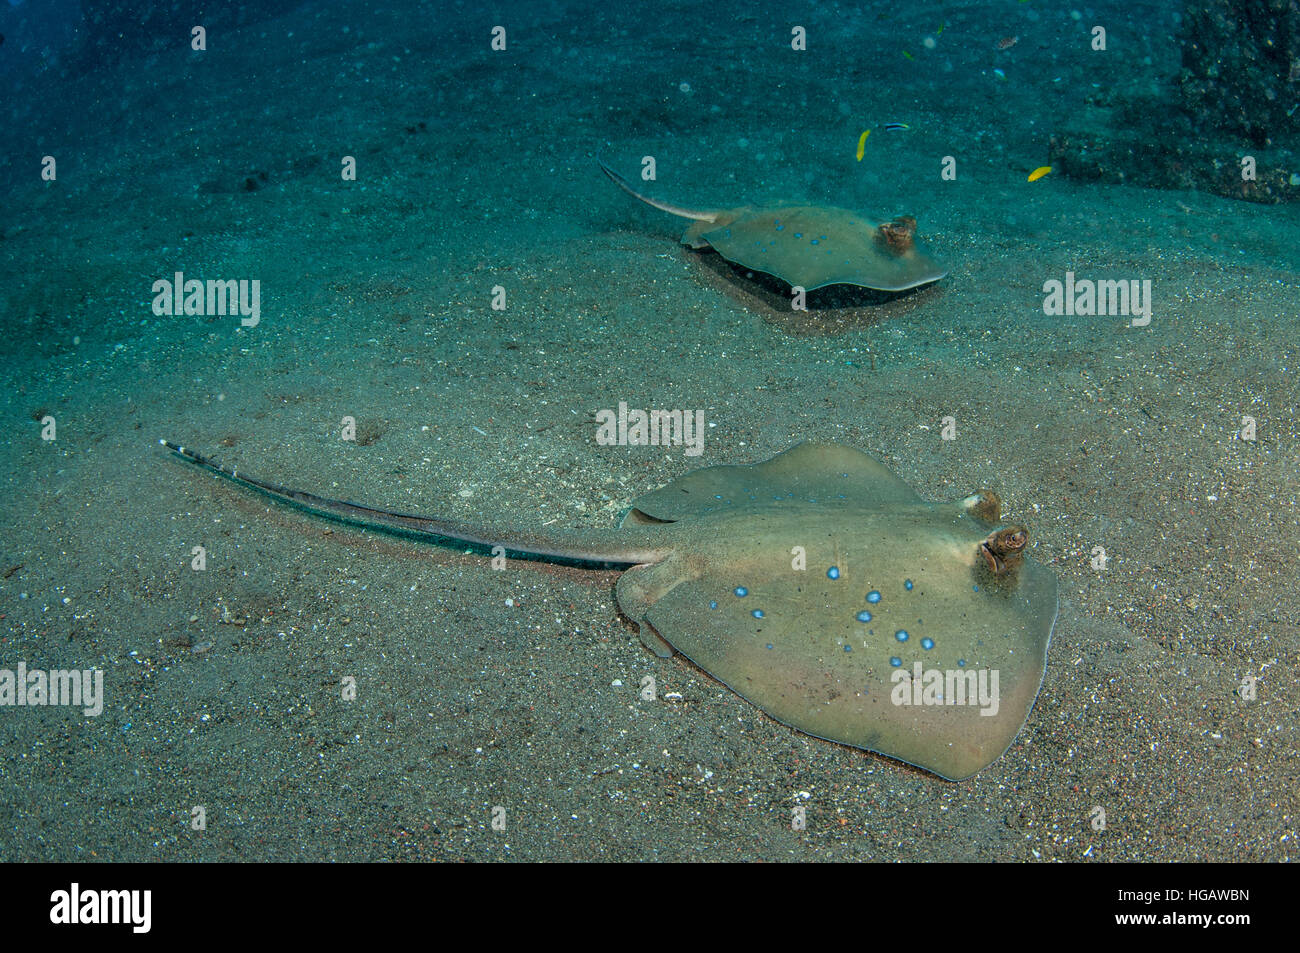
(830,472)
(653,640)
(646,544)
(701,215)
(693,236)
(814,246)
(639,589)
(806,661)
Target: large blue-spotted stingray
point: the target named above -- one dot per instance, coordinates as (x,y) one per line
(818,586)
(809,246)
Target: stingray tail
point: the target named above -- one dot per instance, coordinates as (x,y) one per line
(640,545)
(697,214)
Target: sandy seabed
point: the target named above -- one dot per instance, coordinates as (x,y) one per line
(519,688)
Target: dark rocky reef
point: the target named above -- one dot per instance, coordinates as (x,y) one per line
(1226,123)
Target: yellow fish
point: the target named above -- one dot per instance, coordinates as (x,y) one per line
(1038,173)
(862,144)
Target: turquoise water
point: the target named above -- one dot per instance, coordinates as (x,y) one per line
(449,293)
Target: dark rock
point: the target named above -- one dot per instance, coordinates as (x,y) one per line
(1241,64)
(1226,124)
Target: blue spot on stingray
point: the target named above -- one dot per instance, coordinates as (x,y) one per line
(961,663)
(864,616)
(728,233)
(976,588)
(798,234)
(873,597)
(769,645)
(780,228)
(742,591)
(901,635)
(717,496)
(813,242)
(757,613)
(907,584)
(895,661)
(927,643)
(823,238)
(713,604)
(848,648)
(833,572)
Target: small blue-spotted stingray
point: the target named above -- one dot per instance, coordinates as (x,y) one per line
(809,246)
(818,586)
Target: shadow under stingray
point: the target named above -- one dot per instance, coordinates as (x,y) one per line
(833,309)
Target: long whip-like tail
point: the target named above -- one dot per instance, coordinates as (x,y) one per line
(700,215)
(642,544)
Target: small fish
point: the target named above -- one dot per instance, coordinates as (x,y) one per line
(1038,173)
(939,32)
(862,143)
(1007,42)
(908,55)
(1000,74)
(894,126)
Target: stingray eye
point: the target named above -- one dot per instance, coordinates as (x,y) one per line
(1016,540)
(898,233)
